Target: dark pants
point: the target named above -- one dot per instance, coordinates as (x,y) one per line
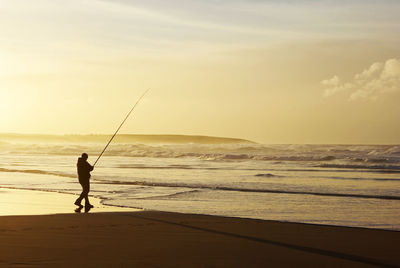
(85,191)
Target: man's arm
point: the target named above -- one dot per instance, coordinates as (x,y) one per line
(90,167)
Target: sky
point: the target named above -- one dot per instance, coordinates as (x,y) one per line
(266,70)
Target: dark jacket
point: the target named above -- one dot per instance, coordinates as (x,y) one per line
(84,168)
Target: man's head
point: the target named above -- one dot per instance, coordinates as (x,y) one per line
(85,156)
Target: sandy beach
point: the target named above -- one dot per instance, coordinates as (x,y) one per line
(162,239)
(207,133)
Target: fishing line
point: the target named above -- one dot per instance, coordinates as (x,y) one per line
(105,148)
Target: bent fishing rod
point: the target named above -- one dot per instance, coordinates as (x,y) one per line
(115,134)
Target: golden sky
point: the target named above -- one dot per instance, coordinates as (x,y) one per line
(270,71)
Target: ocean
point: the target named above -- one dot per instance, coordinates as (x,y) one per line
(346,185)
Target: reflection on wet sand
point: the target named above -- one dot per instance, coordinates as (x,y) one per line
(28,202)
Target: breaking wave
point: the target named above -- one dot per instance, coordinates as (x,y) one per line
(224,188)
(37,171)
(380,168)
(221,152)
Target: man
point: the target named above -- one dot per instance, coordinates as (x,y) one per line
(84,169)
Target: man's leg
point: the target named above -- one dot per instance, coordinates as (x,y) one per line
(83,194)
(87,190)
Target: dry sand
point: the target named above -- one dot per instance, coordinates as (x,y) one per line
(161,239)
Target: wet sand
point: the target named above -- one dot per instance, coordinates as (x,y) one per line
(161,239)
(29,202)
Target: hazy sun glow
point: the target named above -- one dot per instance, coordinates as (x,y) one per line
(243,68)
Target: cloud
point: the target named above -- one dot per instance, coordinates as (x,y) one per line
(378,79)
(334,86)
(334,81)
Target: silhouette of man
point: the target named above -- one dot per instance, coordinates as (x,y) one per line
(84,169)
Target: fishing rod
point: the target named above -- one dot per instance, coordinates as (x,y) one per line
(105,148)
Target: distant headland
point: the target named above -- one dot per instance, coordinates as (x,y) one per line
(123,138)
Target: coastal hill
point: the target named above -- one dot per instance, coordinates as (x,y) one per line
(122,138)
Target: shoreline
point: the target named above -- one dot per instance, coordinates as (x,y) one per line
(64,205)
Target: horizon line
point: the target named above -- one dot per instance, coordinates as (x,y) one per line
(198,135)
